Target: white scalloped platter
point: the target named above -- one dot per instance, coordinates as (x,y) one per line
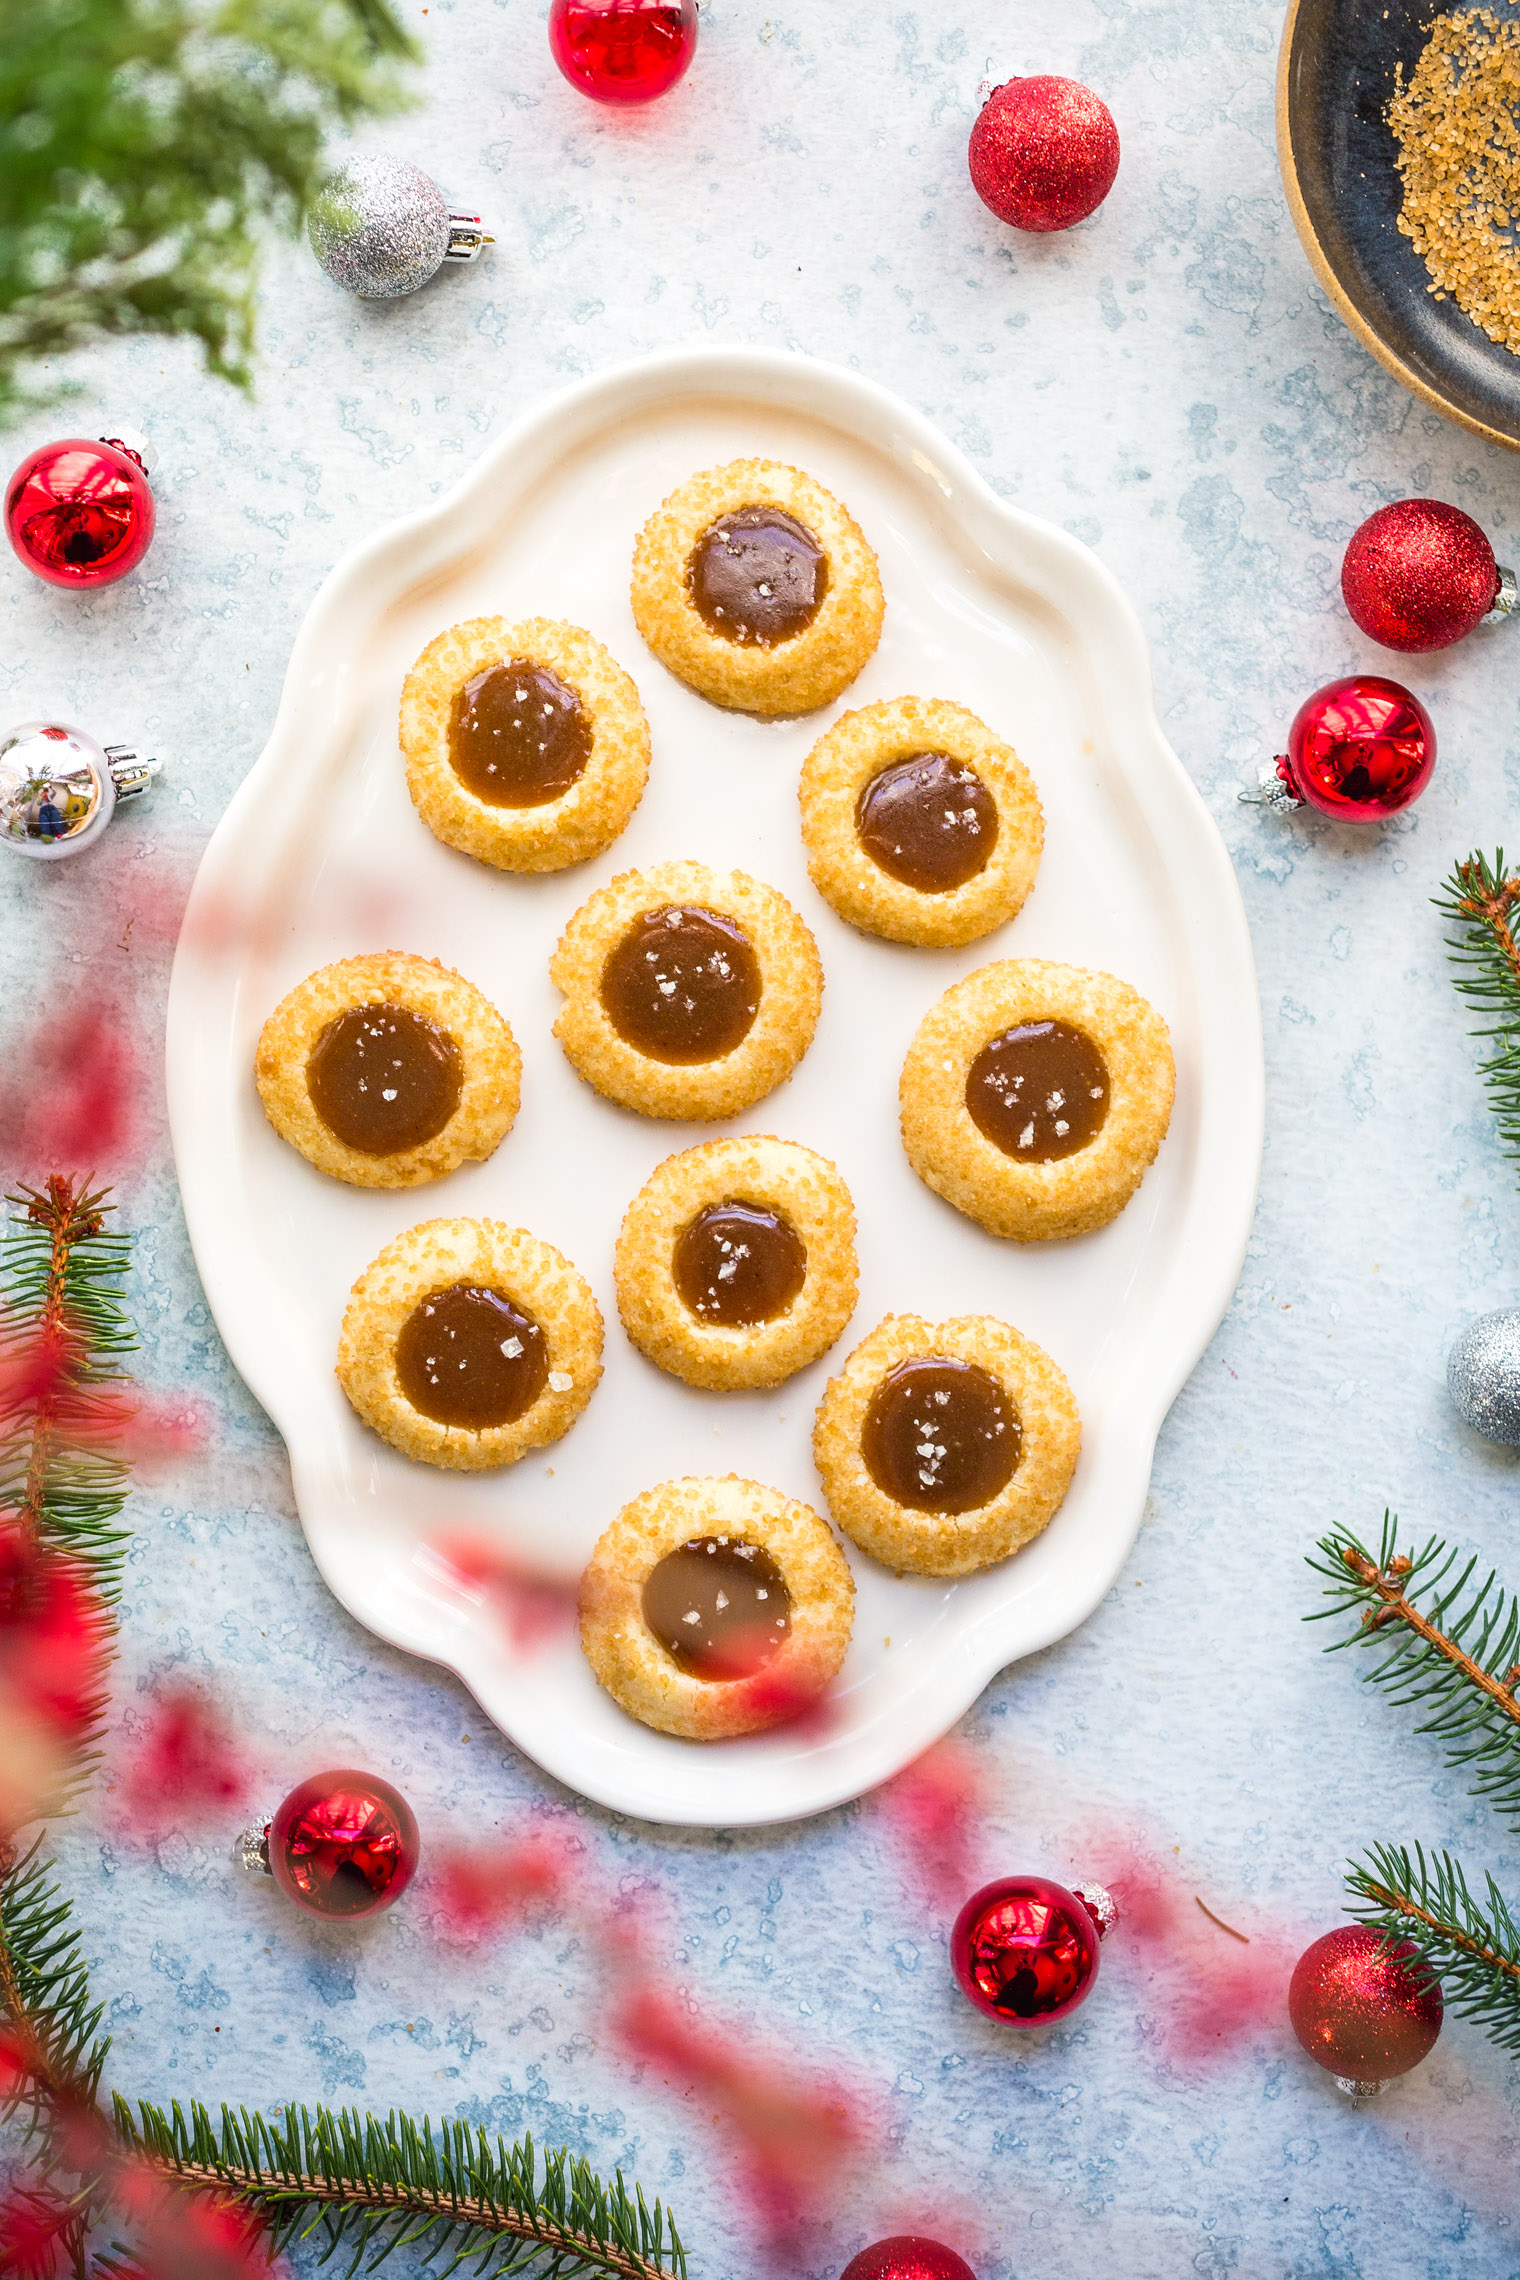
(320,855)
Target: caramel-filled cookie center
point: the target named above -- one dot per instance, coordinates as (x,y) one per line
(928,821)
(941,1436)
(757,576)
(1038,1092)
(738,1264)
(682,986)
(718,1606)
(518,737)
(469,1356)
(384,1079)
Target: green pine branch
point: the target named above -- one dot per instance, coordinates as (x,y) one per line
(1452,1650)
(1480,900)
(148,147)
(359,2185)
(370,2187)
(1472,1946)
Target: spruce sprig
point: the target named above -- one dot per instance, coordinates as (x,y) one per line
(1453,1649)
(359,2185)
(371,2187)
(1481,900)
(1472,1946)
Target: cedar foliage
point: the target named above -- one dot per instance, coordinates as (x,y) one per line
(360,2186)
(148,147)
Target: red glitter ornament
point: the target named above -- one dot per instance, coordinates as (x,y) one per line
(1043,153)
(80,513)
(1025,1950)
(1359,750)
(343,1844)
(1419,575)
(623,51)
(1359,2008)
(907,2256)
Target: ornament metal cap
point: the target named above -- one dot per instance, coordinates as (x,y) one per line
(59,788)
(1273,790)
(380,228)
(251,1852)
(1357,2091)
(1504,601)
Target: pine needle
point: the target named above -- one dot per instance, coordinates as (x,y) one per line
(1472,1947)
(1481,901)
(1453,1650)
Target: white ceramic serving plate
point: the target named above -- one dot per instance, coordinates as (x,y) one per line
(320,855)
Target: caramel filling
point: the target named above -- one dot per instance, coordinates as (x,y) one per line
(1038,1092)
(718,1606)
(941,1436)
(384,1079)
(468,1356)
(738,1264)
(758,577)
(682,986)
(928,821)
(518,737)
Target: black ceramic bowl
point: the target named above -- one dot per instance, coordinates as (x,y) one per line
(1335,78)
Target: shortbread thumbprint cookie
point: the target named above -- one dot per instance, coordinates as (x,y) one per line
(1035,1097)
(920,825)
(526,744)
(756,588)
(712,1608)
(388,1070)
(688,992)
(735,1265)
(467,1343)
(944,1446)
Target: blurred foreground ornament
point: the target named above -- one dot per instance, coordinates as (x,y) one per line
(80,513)
(1359,749)
(1483,1375)
(1419,575)
(1044,153)
(907,2256)
(380,227)
(59,788)
(623,51)
(343,1844)
(1025,1950)
(1364,2011)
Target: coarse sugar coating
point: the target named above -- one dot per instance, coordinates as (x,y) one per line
(790,992)
(587,816)
(1456,119)
(853,755)
(440,1255)
(489,1066)
(791,675)
(633,1665)
(1028,1200)
(806,1193)
(948,1543)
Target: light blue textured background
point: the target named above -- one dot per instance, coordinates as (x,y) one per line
(1168,383)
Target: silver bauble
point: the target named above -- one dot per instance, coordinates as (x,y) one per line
(381,227)
(59,788)
(1483,1375)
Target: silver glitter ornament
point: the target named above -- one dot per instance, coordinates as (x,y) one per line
(381,227)
(1483,1375)
(59,788)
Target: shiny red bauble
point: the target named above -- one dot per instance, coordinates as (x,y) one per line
(623,51)
(1044,153)
(1025,1950)
(80,513)
(1419,575)
(1359,749)
(1359,2008)
(344,1844)
(907,2256)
